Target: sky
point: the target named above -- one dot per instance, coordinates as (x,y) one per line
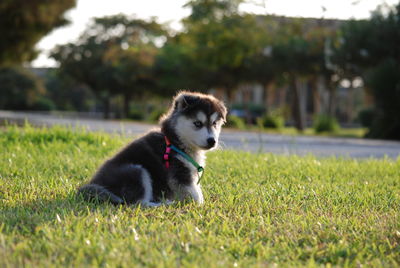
(172,11)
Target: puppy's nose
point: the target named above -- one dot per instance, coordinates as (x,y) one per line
(211,142)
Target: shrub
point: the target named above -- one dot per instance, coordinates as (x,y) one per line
(43,104)
(19,88)
(136,115)
(384,82)
(155,115)
(136,112)
(235,122)
(365,117)
(271,121)
(325,123)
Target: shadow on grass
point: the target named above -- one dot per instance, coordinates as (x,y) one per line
(26,218)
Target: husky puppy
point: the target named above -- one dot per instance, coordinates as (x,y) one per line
(139,172)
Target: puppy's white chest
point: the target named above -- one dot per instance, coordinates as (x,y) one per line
(200,159)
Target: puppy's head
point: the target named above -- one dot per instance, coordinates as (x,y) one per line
(198,119)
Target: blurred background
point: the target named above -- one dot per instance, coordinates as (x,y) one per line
(315,65)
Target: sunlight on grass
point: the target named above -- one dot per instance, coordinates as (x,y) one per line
(260,210)
(292,131)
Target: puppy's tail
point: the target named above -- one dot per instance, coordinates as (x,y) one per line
(97,192)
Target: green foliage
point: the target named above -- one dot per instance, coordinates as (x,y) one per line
(222,48)
(220,42)
(156,114)
(260,209)
(136,114)
(68,94)
(298,51)
(325,123)
(24,23)
(84,64)
(219,47)
(111,61)
(271,120)
(366,116)
(19,88)
(377,61)
(208,10)
(384,81)
(44,104)
(147,112)
(234,121)
(171,68)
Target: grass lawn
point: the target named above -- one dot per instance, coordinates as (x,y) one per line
(292,131)
(260,210)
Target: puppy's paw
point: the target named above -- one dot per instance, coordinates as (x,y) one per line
(169,202)
(200,200)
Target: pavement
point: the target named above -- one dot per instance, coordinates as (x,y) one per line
(230,139)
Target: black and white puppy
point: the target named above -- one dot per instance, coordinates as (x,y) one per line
(139,172)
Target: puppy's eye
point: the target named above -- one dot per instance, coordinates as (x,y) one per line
(214,124)
(198,124)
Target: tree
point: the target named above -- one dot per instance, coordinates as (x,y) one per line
(298,53)
(24,23)
(171,67)
(84,62)
(371,49)
(293,57)
(204,11)
(384,81)
(19,89)
(94,59)
(68,94)
(219,40)
(133,71)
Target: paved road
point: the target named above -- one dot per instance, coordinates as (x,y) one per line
(230,139)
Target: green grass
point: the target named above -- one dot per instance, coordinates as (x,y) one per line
(292,131)
(260,210)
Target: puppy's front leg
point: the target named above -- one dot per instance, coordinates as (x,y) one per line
(195,192)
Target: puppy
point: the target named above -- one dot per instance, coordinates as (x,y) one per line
(163,165)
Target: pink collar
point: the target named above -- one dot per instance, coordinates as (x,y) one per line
(167,151)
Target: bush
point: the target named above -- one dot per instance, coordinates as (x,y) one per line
(271,121)
(155,115)
(43,104)
(235,122)
(384,82)
(148,113)
(365,117)
(137,112)
(325,123)
(136,115)
(19,88)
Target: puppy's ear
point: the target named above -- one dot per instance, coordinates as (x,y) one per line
(224,113)
(183,101)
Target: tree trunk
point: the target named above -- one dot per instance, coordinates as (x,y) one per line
(316,96)
(126,108)
(350,100)
(265,97)
(106,107)
(268,96)
(247,101)
(229,95)
(297,111)
(220,93)
(332,100)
